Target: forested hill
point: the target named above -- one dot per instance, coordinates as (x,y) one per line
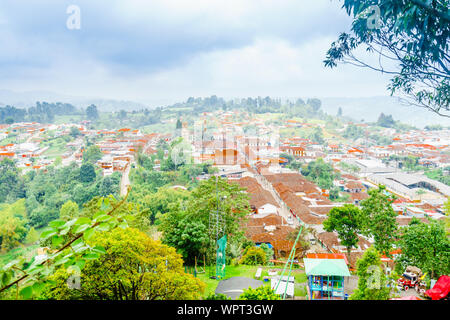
(42,112)
(370,108)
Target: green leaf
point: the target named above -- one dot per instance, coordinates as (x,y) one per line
(81,228)
(27,292)
(48,233)
(81,263)
(83,220)
(91,256)
(35,270)
(80,246)
(98,214)
(70,222)
(57,240)
(103,227)
(129,217)
(61,261)
(57,223)
(105,204)
(99,249)
(88,233)
(64,231)
(5,277)
(37,287)
(10,264)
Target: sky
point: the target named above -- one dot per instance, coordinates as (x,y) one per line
(168,50)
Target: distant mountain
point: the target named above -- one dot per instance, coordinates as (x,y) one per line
(28,99)
(370,108)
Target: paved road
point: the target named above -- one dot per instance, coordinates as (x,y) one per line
(125,182)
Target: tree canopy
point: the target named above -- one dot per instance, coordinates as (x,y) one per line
(426,245)
(346,222)
(134,267)
(378,219)
(410,39)
(372,282)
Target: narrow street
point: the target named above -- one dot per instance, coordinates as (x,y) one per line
(125,181)
(284,212)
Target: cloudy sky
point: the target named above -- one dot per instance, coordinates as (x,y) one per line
(167,50)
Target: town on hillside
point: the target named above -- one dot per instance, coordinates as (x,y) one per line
(295,173)
(213,159)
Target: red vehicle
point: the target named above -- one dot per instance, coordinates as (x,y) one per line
(440,290)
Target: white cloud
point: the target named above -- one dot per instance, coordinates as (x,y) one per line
(267,67)
(228,48)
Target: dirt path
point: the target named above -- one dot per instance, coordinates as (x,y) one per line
(125,181)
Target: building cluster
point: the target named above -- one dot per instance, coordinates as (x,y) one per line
(29,145)
(249,152)
(252,153)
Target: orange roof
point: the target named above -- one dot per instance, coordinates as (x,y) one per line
(327,256)
(123,130)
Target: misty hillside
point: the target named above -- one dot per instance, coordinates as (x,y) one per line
(370,108)
(28,99)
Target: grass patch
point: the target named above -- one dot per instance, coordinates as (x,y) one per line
(249,272)
(300,277)
(300,291)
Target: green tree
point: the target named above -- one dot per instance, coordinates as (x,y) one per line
(92,112)
(32,236)
(10,181)
(269,252)
(161,202)
(345,221)
(72,252)
(92,154)
(68,211)
(334,193)
(372,282)
(385,121)
(134,267)
(219,296)
(260,293)
(225,198)
(317,135)
(87,172)
(378,219)
(122,115)
(254,256)
(12,225)
(426,245)
(320,172)
(189,237)
(179,124)
(412,33)
(75,132)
